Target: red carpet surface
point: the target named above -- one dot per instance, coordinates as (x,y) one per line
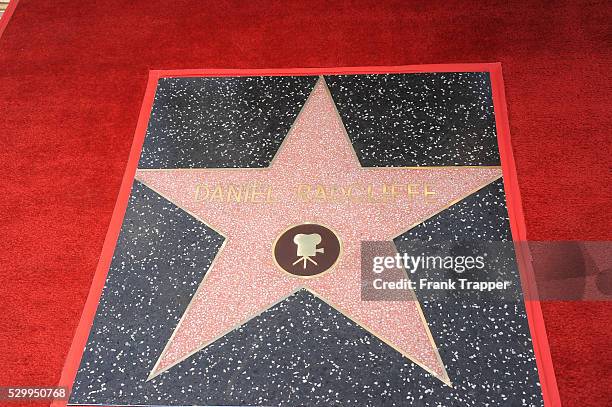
(72,78)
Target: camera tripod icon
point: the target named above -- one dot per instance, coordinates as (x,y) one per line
(307,248)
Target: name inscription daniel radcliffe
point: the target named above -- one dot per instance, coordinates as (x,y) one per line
(261,194)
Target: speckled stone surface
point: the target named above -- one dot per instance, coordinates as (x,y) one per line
(479,217)
(316,151)
(484,339)
(301,352)
(418,119)
(221,122)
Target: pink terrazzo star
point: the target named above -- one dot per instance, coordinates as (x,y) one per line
(244,280)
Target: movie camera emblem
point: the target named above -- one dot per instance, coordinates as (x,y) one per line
(307,250)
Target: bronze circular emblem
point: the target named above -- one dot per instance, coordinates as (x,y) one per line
(306,250)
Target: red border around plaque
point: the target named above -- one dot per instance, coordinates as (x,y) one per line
(537,328)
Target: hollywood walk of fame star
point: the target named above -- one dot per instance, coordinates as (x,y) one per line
(244,280)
